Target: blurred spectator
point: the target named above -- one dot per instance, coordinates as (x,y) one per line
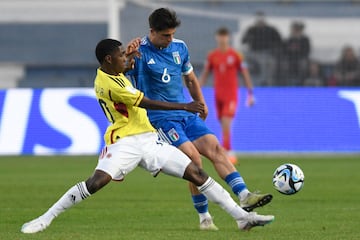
(264,42)
(314,78)
(296,51)
(347,69)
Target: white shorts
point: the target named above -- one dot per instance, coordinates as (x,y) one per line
(144,150)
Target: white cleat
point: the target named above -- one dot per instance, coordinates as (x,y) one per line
(34,226)
(254,220)
(208,225)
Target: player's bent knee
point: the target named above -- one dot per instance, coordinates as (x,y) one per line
(197,160)
(98,180)
(195,175)
(191,151)
(218,153)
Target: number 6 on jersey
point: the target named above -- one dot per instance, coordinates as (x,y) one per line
(165,76)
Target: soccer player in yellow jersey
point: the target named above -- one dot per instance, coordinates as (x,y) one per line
(131,141)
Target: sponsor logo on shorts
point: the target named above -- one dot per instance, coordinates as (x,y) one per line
(174,136)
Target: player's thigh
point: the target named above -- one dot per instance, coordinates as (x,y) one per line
(120,158)
(228,108)
(172,132)
(161,156)
(190,150)
(231,108)
(210,147)
(175,164)
(196,128)
(218,107)
(207,145)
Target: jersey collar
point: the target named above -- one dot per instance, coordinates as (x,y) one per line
(151,45)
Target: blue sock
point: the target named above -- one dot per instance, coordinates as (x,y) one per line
(236,182)
(200,203)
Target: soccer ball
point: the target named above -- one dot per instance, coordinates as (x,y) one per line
(288,179)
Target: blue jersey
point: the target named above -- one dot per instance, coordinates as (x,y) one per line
(158,73)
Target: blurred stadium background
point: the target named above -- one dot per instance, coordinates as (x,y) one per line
(47,68)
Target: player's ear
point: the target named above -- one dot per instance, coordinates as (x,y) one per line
(152,31)
(108,59)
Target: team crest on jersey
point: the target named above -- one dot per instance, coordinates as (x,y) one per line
(176,57)
(174,136)
(230,60)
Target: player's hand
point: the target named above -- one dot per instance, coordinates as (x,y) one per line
(250,100)
(132,49)
(195,107)
(130,64)
(205,113)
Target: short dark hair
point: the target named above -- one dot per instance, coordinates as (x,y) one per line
(106,47)
(223,31)
(297,25)
(163,18)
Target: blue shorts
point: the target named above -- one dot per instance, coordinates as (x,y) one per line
(181,129)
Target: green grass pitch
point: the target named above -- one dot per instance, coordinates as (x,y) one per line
(141,207)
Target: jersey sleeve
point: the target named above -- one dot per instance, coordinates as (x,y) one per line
(133,73)
(124,92)
(241,61)
(187,67)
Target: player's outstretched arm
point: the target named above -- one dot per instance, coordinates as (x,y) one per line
(204,76)
(195,91)
(250,101)
(194,107)
(205,73)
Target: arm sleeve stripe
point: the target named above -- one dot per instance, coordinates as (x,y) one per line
(138,100)
(188,71)
(110,95)
(111,136)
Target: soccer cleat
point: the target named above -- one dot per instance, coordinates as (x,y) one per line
(254,200)
(34,226)
(208,225)
(254,220)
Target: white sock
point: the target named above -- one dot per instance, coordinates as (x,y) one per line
(203,216)
(73,196)
(217,194)
(243,194)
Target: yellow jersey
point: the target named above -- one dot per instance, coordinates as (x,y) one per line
(119,100)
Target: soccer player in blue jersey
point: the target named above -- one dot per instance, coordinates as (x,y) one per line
(159,73)
(131,141)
